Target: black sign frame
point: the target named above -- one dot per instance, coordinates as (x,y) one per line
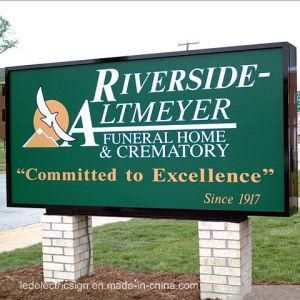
(290,143)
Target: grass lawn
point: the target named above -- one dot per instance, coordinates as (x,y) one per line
(172,246)
(276,249)
(21,257)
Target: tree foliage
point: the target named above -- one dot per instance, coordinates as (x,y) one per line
(6,42)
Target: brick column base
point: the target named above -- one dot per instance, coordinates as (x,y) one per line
(67,248)
(225,259)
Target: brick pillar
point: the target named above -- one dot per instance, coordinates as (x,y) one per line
(225,259)
(67,249)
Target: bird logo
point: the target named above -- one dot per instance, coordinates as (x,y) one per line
(51,120)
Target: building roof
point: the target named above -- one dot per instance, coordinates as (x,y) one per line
(2,75)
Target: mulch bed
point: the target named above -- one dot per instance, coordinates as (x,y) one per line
(105,283)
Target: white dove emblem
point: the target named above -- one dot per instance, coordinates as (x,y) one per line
(50,118)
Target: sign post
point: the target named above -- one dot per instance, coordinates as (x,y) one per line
(225,250)
(67,247)
(205,134)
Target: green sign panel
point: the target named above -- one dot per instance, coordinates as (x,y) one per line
(185,134)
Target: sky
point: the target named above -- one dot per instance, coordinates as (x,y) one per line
(62,31)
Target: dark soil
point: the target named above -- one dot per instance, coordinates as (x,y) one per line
(123,285)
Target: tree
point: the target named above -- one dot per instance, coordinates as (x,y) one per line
(5,36)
